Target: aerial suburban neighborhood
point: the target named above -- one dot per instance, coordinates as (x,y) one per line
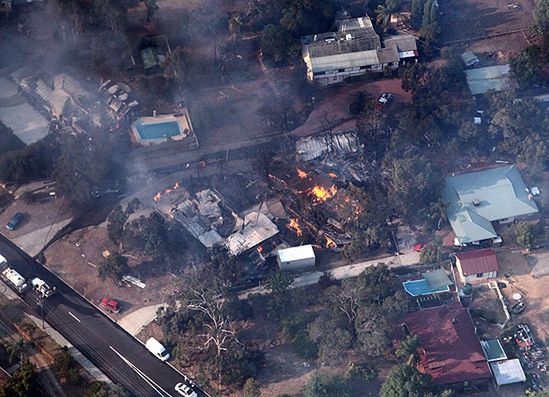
(273,198)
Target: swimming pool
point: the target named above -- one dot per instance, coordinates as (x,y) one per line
(421,287)
(157,130)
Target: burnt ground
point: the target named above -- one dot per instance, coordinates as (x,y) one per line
(467,19)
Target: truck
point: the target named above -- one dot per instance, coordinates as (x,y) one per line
(15,279)
(42,288)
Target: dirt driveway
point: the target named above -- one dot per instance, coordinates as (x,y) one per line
(333,106)
(464,19)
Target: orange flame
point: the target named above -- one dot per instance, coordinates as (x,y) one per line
(294,224)
(174,187)
(321,194)
(332,174)
(301,174)
(330,243)
(260,248)
(157,197)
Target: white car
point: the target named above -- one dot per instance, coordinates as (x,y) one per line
(2,260)
(185,390)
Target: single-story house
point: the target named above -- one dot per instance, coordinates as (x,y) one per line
(477,266)
(296,259)
(477,199)
(450,350)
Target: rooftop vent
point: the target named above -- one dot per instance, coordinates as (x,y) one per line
(348,36)
(476,202)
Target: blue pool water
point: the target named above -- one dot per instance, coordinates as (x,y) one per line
(421,287)
(163,129)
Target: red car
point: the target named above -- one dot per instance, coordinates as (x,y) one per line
(419,246)
(110,305)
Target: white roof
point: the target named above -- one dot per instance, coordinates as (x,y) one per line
(296,253)
(2,259)
(508,371)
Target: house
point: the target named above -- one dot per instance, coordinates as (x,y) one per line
(475,200)
(354,49)
(469,59)
(427,289)
(477,266)
(491,78)
(296,258)
(450,350)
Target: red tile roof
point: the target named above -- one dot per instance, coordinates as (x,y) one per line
(449,349)
(479,261)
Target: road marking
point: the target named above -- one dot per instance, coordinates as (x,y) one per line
(153,384)
(76,318)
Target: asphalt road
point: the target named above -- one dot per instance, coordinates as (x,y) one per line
(121,357)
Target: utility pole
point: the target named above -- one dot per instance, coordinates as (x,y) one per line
(40,301)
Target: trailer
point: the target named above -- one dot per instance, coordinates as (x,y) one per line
(42,288)
(15,279)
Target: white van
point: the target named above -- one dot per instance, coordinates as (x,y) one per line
(156,348)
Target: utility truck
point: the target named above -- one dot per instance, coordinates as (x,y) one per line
(42,288)
(15,279)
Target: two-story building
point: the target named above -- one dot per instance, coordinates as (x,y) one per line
(354,49)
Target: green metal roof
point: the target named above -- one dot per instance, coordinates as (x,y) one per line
(478,198)
(493,350)
(149,58)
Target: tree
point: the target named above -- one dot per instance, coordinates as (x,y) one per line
(324,385)
(526,66)
(278,114)
(251,388)
(541,17)
(417,13)
(359,102)
(23,383)
(526,234)
(175,66)
(373,331)
(279,299)
(115,224)
(332,336)
(362,371)
(408,349)
(114,266)
(414,183)
(386,11)
(16,351)
(277,45)
(405,381)
(279,282)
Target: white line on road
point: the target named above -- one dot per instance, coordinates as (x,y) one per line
(76,318)
(154,385)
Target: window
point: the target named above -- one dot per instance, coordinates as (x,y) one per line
(480,275)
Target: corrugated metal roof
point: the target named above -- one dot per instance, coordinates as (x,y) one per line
(479,261)
(496,78)
(344,25)
(343,61)
(493,350)
(403,42)
(478,198)
(508,371)
(296,253)
(257,229)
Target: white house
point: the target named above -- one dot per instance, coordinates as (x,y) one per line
(477,266)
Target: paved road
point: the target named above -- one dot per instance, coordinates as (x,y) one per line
(121,357)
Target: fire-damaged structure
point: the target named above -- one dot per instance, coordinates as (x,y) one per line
(209,219)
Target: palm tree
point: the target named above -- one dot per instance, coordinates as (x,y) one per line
(16,351)
(408,348)
(385,12)
(235,25)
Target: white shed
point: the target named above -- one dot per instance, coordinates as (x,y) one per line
(508,371)
(296,258)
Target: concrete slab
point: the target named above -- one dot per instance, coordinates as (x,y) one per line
(27,124)
(33,242)
(135,321)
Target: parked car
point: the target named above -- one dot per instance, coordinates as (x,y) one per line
(385,98)
(110,305)
(185,390)
(15,221)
